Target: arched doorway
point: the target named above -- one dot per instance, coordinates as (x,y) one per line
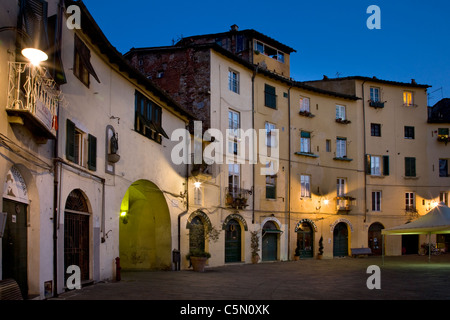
(270,241)
(340,240)
(233,241)
(375,239)
(305,240)
(76,234)
(15,237)
(145,239)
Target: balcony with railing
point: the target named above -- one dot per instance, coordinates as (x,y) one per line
(344,204)
(376,104)
(33,99)
(236,198)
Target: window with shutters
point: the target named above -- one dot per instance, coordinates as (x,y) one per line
(271,185)
(410,167)
(377,165)
(148,118)
(82,66)
(271,140)
(81,148)
(270,97)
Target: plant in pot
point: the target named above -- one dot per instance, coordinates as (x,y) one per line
(198,235)
(255,246)
(297,254)
(320,254)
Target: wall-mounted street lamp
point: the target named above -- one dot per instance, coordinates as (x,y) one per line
(33,54)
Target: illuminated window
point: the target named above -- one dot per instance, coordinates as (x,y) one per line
(408,98)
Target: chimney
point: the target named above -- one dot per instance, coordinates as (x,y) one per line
(234,27)
(413,81)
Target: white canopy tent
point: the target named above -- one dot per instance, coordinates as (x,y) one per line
(437,221)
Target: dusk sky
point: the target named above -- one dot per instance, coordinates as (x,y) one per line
(331,37)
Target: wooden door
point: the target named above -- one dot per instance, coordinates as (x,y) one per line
(14,244)
(233,242)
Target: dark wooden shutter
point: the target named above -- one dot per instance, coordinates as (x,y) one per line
(367,163)
(92,153)
(270,98)
(386,165)
(410,167)
(70,140)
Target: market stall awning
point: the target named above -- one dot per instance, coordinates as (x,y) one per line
(437,221)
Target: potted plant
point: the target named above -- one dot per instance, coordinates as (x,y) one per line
(198,235)
(320,254)
(297,254)
(255,246)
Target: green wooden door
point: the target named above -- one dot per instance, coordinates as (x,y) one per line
(14,244)
(269,247)
(233,242)
(340,240)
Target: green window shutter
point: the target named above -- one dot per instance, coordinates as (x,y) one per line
(367,161)
(410,167)
(92,152)
(70,140)
(385,165)
(270,98)
(305,134)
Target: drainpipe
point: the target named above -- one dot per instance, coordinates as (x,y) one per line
(253,127)
(187,197)
(289,172)
(365,152)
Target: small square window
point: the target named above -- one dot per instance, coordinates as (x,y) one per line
(409,132)
(375,129)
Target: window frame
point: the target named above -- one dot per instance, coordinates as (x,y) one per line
(375,129)
(305,142)
(442,169)
(341,145)
(341,112)
(408,98)
(409,132)
(305,107)
(410,201)
(376,200)
(270,139)
(375,97)
(234,81)
(305,186)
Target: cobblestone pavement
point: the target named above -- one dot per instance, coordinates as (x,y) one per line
(402,278)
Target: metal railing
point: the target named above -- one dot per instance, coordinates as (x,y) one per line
(32,90)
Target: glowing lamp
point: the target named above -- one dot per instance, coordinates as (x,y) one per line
(35,56)
(197,184)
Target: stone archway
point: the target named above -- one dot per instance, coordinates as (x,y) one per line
(145,228)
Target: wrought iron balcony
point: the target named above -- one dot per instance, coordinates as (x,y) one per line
(33,99)
(344,204)
(236,197)
(376,104)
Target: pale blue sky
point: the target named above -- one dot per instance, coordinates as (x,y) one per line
(330,36)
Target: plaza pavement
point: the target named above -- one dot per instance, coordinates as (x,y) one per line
(410,277)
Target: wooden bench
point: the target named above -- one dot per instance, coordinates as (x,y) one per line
(9,290)
(357,252)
